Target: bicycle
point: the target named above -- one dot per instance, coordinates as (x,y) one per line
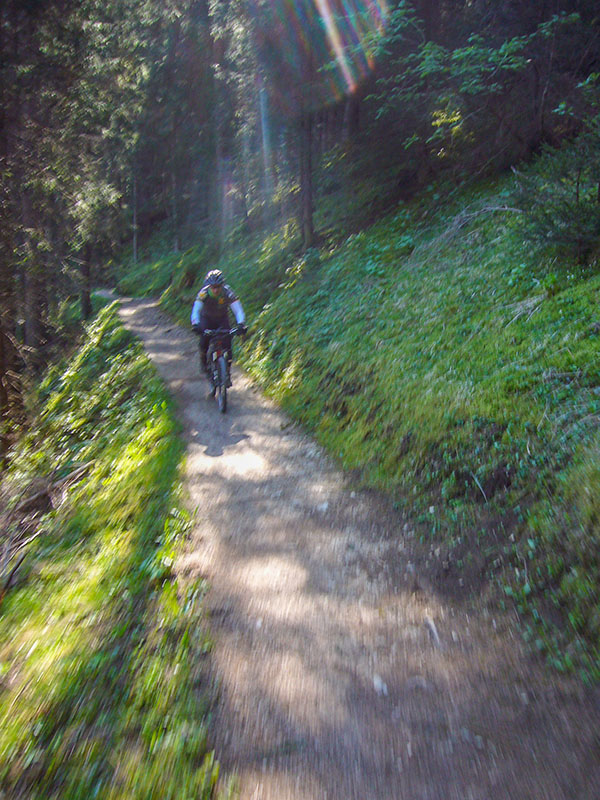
(218,363)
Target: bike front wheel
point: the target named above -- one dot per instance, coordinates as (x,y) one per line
(222,384)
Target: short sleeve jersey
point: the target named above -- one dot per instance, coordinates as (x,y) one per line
(215,309)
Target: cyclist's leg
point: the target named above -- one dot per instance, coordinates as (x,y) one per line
(229,344)
(203,347)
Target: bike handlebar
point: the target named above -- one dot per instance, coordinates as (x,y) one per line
(236,330)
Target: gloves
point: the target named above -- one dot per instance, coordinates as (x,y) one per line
(197,329)
(243,329)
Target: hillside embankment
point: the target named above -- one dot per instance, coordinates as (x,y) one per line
(341,671)
(444,358)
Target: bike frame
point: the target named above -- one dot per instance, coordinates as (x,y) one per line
(217,352)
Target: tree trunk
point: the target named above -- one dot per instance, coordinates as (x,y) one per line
(4,368)
(351,117)
(85,295)
(266,146)
(306,189)
(4,407)
(135,215)
(430,11)
(174,207)
(31,289)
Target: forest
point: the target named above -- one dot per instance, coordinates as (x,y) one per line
(406,194)
(184,123)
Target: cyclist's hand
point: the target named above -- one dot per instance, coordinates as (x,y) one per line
(197,329)
(243,330)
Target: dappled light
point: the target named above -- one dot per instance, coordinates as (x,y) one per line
(88,645)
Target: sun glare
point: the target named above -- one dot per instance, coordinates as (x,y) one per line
(338,37)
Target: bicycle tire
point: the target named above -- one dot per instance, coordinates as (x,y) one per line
(222,384)
(209,373)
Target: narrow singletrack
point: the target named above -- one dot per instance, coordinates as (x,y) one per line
(342,674)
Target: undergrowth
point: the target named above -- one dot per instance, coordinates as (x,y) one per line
(101,648)
(454,365)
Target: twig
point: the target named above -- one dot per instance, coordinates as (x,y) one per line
(480,486)
(8,580)
(23,544)
(553,374)
(533,311)
(77,473)
(430,625)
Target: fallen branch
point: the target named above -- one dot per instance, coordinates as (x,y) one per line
(34,498)
(459,221)
(23,506)
(530,305)
(13,571)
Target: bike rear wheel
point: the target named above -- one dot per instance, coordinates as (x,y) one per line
(222,384)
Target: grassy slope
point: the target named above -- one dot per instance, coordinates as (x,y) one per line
(456,367)
(100,650)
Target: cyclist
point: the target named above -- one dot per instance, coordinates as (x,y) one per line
(211,310)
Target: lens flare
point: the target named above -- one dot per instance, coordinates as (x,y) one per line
(321,50)
(336,43)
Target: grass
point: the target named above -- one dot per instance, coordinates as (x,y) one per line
(101,648)
(453,364)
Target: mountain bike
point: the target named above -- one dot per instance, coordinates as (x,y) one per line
(218,362)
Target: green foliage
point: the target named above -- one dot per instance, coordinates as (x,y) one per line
(101,648)
(455,367)
(452,362)
(561,195)
(559,567)
(561,202)
(444,94)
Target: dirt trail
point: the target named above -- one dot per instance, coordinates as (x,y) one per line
(340,676)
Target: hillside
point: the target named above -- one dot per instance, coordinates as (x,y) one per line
(452,363)
(101,647)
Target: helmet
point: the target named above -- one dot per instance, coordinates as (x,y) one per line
(214,277)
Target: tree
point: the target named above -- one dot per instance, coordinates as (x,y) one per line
(310,56)
(561,196)
(480,95)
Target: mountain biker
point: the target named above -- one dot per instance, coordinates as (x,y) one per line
(211,310)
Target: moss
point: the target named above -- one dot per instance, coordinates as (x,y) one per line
(96,622)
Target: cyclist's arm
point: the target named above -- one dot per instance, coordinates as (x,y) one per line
(196,309)
(238,311)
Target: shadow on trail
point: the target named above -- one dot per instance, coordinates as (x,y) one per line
(229,434)
(354,683)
